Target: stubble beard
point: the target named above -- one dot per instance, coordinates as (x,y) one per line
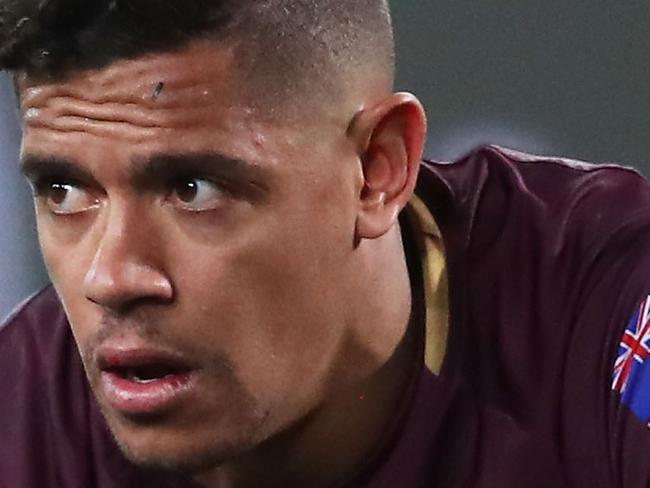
(200,460)
(221,451)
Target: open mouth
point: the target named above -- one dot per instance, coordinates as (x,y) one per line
(142,365)
(148,373)
(144,381)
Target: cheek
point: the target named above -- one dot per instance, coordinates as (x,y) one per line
(67,262)
(65,241)
(273,305)
(260,309)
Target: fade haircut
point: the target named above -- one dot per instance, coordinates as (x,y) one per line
(288,46)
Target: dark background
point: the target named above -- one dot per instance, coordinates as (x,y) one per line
(558,77)
(567,77)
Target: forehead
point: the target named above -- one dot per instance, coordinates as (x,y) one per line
(183,102)
(204,69)
(180,102)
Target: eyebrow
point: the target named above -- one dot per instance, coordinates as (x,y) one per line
(244,177)
(35,168)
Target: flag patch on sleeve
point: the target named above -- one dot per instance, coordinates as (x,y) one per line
(632,367)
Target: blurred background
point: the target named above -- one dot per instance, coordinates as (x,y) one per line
(560,77)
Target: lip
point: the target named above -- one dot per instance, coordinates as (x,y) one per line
(173,387)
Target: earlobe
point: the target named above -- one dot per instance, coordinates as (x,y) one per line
(390,137)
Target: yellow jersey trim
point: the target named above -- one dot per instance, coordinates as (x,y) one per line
(436,288)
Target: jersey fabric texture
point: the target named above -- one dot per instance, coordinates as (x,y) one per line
(547,272)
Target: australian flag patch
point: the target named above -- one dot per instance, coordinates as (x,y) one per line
(632,367)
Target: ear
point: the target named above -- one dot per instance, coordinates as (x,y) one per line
(390,140)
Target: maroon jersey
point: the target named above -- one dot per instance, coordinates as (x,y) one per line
(542,384)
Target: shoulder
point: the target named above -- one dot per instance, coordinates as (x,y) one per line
(35,336)
(31,328)
(562,183)
(550,270)
(579,202)
(37,355)
(541,175)
(44,397)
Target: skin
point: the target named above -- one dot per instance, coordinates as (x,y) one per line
(283,277)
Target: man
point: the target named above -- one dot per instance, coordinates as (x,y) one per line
(247,292)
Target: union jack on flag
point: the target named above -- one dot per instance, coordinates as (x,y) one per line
(632,367)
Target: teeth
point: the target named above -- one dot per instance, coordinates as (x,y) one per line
(145,375)
(132,376)
(142,381)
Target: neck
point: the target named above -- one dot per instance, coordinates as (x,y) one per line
(377,361)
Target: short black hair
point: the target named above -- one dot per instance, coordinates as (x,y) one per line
(293,39)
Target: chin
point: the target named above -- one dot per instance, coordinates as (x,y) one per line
(189,438)
(180,461)
(180,454)
(156,444)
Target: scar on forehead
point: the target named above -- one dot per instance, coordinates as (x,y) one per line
(158,90)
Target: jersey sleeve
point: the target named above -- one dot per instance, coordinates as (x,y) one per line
(606,383)
(630,399)
(617,298)
(631,370)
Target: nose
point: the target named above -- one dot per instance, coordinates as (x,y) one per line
(126,266)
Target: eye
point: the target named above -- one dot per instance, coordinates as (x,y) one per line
(67,199)
(196,194)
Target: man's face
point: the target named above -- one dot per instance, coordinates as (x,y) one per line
(203,250)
